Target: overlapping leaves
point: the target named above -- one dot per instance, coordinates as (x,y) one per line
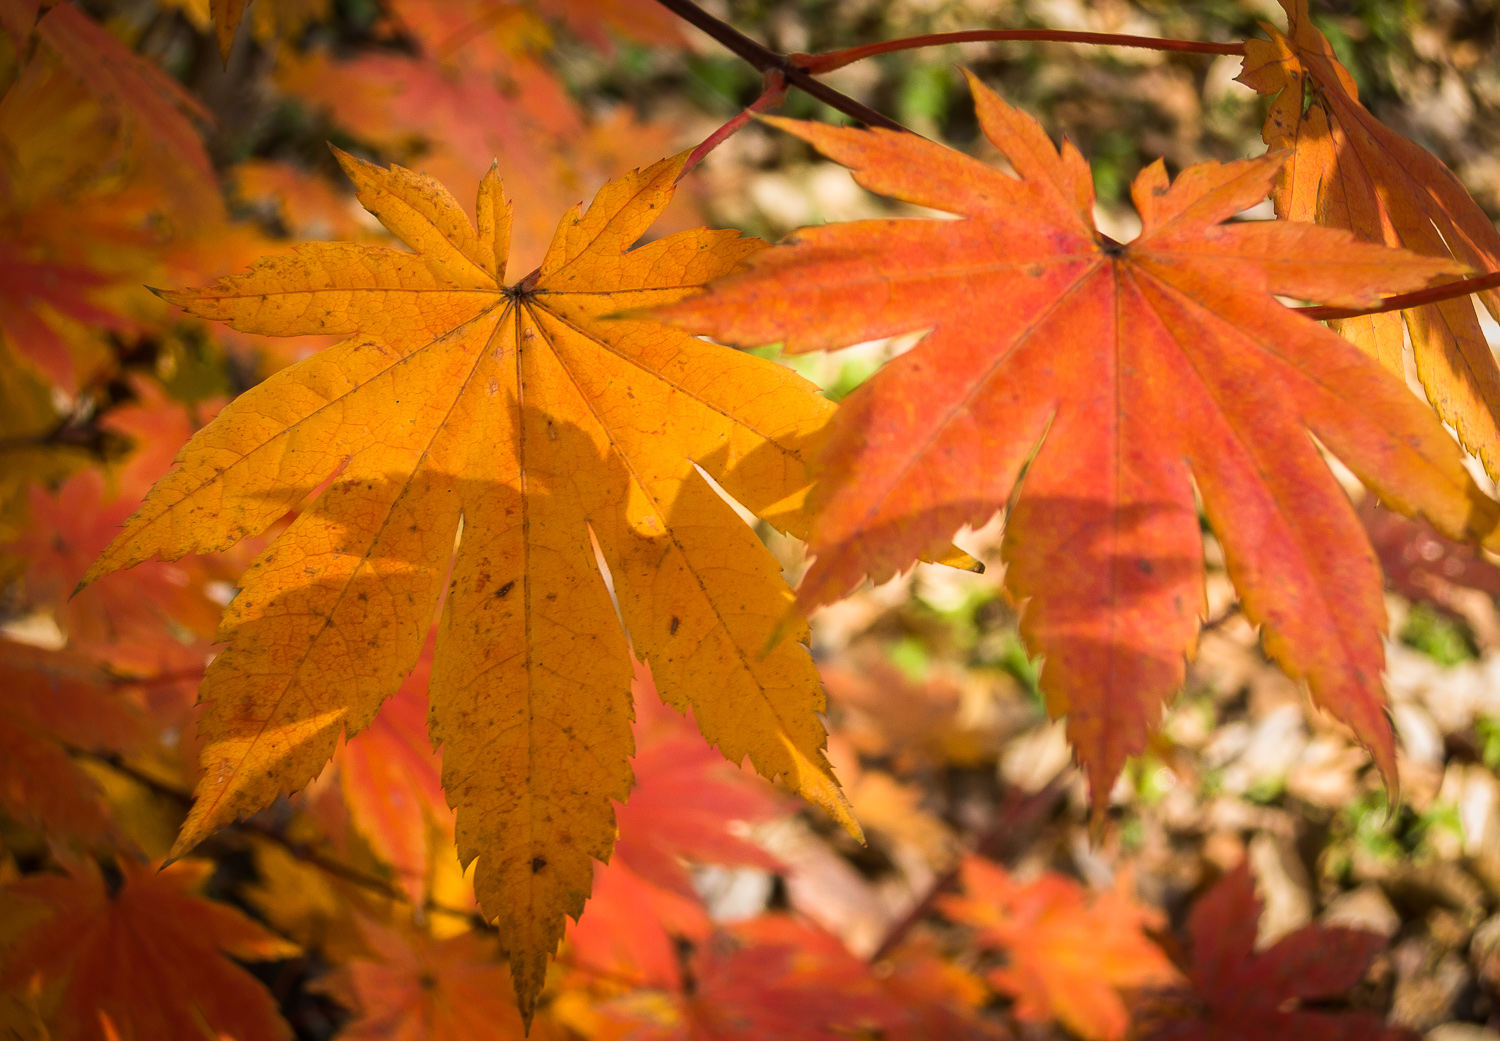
(1348,170)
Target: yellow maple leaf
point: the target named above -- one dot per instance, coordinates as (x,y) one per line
(524,423)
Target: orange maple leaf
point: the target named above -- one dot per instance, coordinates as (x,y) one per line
(530,417)
(1119,377)
(1068,956)
(1348,170)
(144,961)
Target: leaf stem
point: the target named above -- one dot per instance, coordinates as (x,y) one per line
(827,62)
(1433,295)
(774,94)
(765,59)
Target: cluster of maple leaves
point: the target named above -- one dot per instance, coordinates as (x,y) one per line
(472,485)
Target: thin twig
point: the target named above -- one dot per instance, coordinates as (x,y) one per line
(605,974)
(830,60)
(161,679)
(1436,294)
(773,95)
(1000,842)
(298,850)
(764,59)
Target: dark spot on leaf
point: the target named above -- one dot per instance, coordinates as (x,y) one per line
(537,863)
(1144,567)
(503,590)
(675,623)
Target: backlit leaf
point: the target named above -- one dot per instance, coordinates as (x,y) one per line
(1121,378)
(524,413)
(1348,170)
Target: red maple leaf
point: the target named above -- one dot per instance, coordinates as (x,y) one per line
(685,799)
(1239,994)
(144,961)
(682,810)
(1129,381)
